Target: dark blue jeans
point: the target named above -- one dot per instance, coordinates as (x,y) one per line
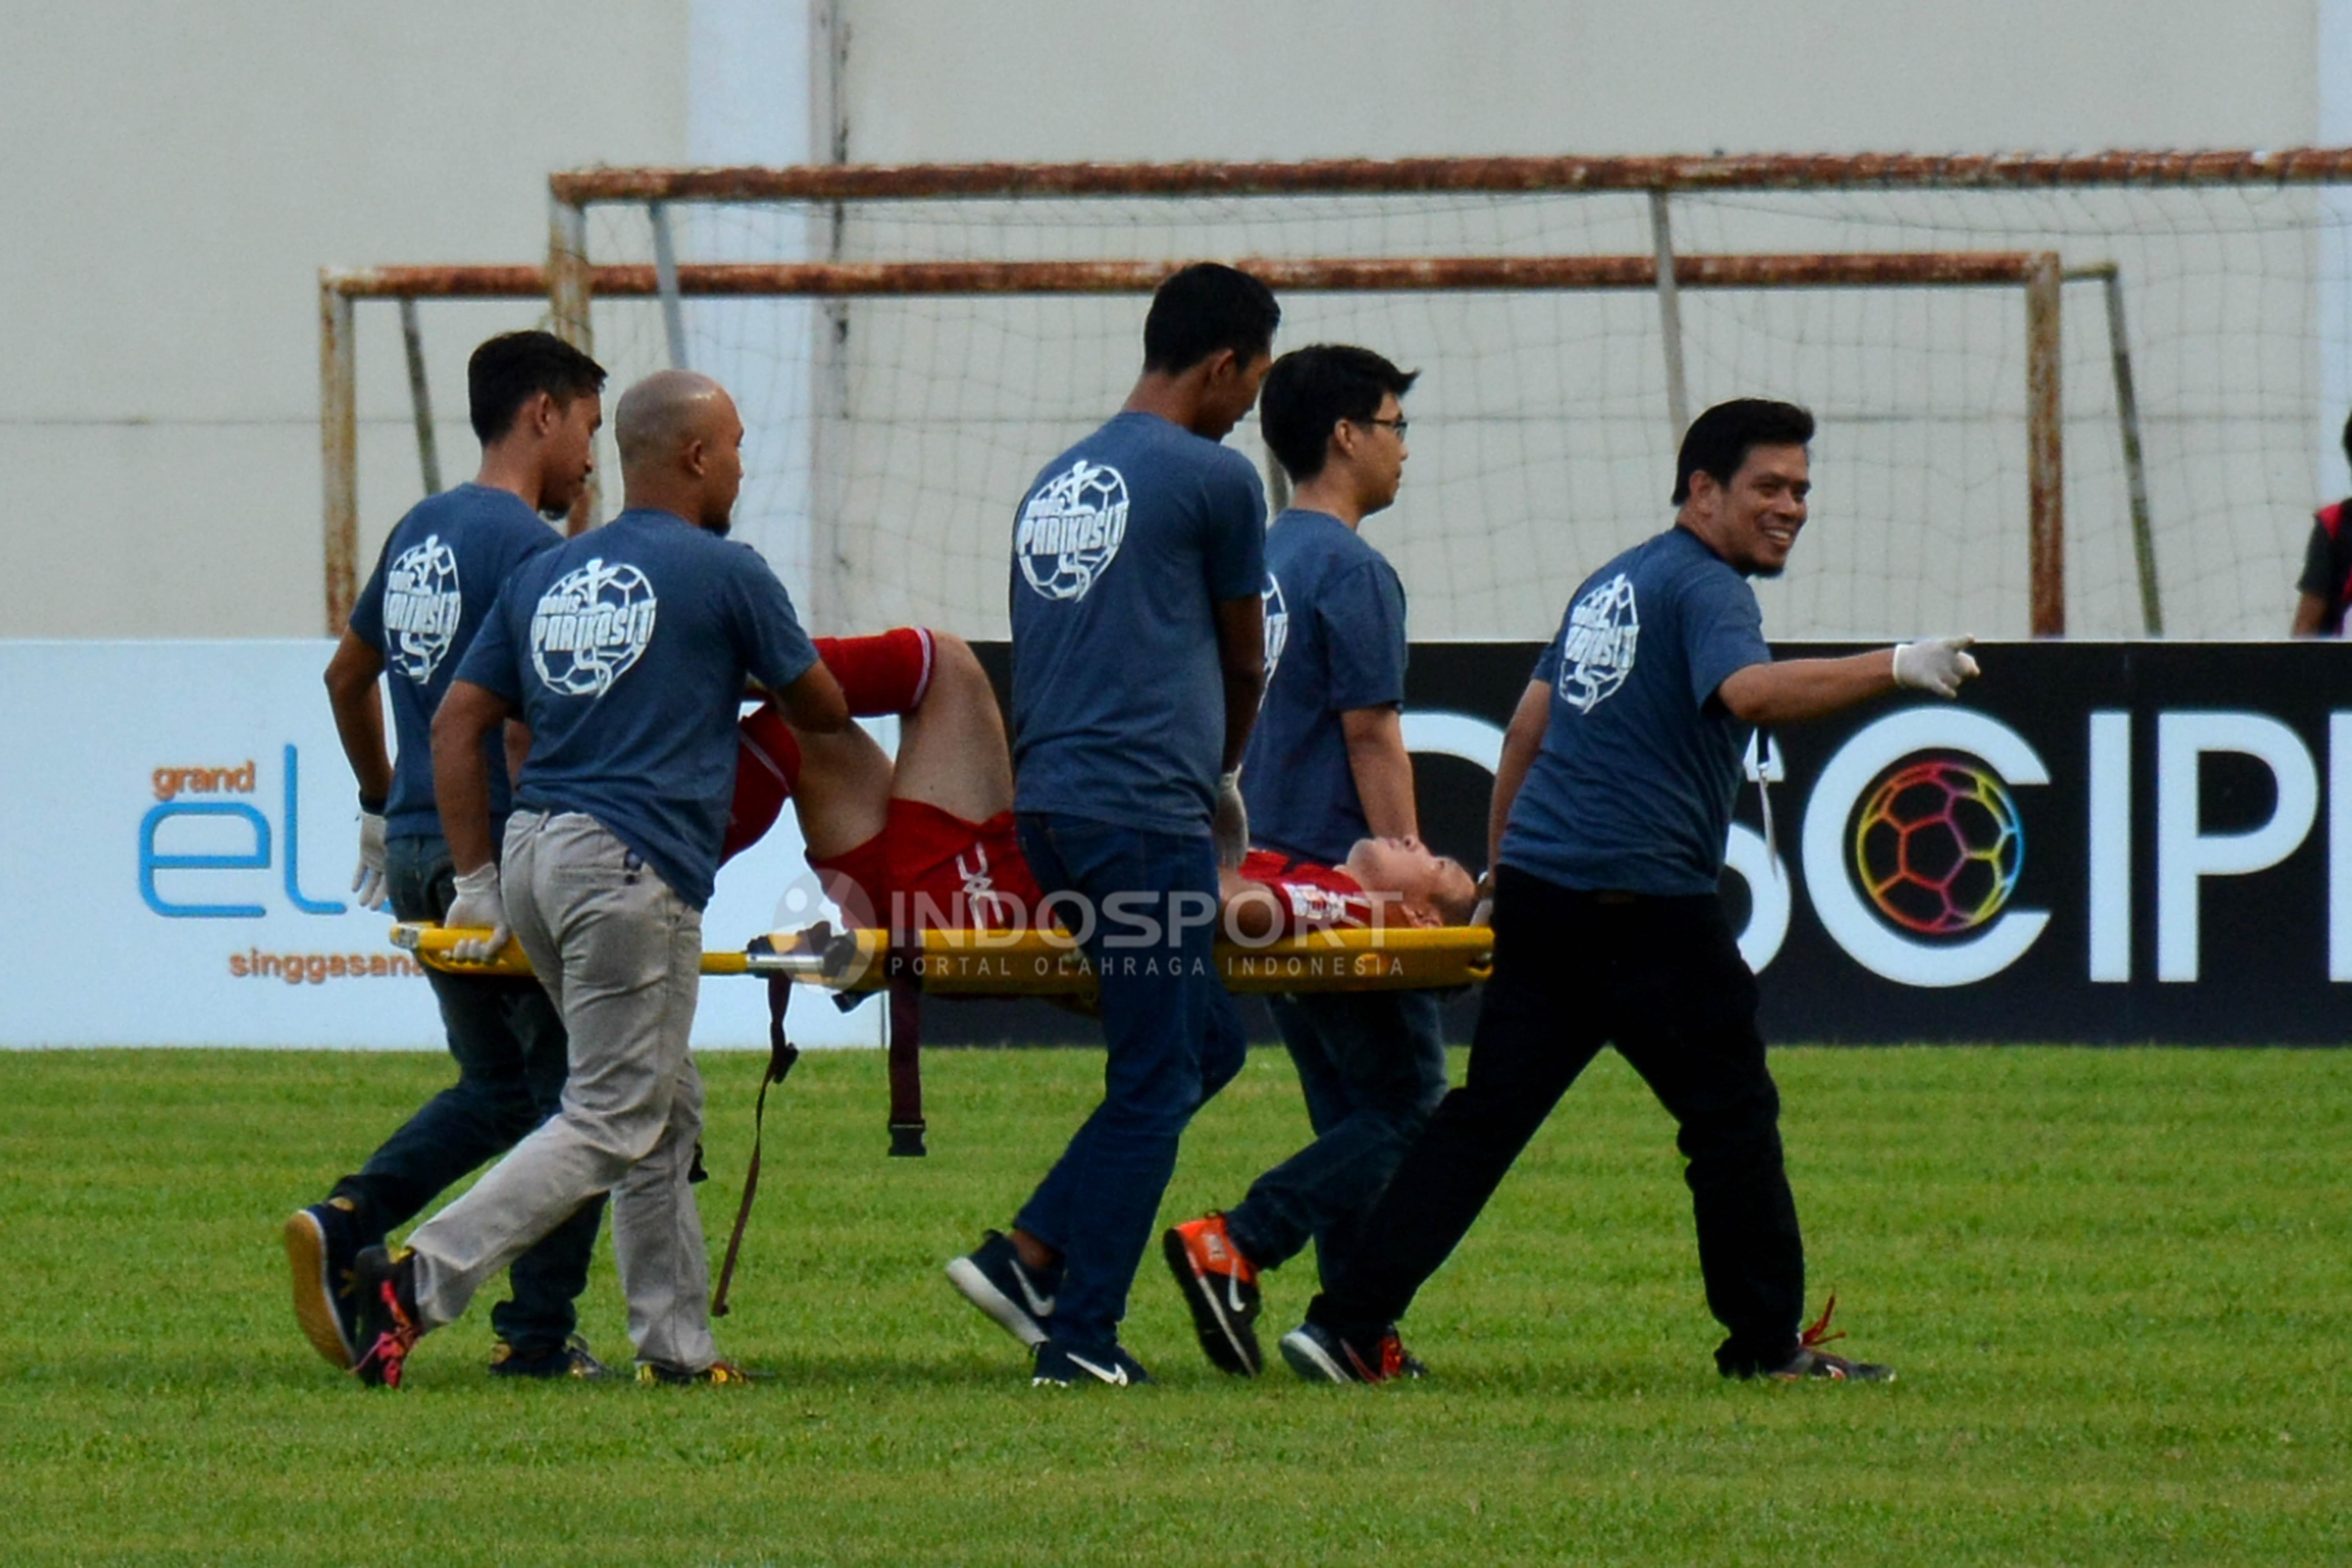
(1372,1066)
(1173,1036)
(510,1050)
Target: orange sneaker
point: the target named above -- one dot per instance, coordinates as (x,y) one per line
(1220,1285)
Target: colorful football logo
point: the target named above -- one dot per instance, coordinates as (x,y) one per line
(1938,846)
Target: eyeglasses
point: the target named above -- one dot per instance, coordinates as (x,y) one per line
(1397,425)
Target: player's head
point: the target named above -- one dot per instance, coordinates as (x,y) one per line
(1214,324)
(2348,440)
(1332,405)
(1742,478)
(1434,889)
(682,448)
(536,390)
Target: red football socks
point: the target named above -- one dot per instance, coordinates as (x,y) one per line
(887,673)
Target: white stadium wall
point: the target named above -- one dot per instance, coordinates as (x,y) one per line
(175,178)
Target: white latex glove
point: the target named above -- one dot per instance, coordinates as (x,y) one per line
(1229,826)
(478,905)
(1934,664)
(1482,913)
(368,887)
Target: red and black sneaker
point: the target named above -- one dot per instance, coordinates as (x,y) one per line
(1321,1354)
(1220,1285)
(385,1286)
(1812,1362)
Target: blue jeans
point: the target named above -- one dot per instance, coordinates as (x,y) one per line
(1173,1039)
(510,1048)
(1373,1068)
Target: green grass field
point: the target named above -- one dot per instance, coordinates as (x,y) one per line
(2114,1283)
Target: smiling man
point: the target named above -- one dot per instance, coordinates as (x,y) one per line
(1612,806)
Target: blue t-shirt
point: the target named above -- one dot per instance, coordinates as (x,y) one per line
(1640,763)
(1334,641)
(626,650)
(437,577)
(1120,550)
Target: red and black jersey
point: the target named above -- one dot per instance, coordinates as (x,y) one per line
(2327,563)
(1312,897)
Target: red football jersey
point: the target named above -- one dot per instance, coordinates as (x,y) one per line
(1312,897)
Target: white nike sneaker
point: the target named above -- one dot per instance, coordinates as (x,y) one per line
(1059,1366)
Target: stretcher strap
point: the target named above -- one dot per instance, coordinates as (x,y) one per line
(907,1125)
(782,1055)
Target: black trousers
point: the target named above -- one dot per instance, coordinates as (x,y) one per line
(1661,979)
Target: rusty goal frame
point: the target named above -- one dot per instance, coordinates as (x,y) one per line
(571,278)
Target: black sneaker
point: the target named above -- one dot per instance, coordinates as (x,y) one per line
(1323,1355)
(1810,1361)
(1220,1285)
(320,1242)
(1407,1364)
(572,1358)
(384,1289)
(993,1279)
(718,1375)
(1059,1366)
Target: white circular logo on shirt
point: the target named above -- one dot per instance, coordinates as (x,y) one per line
(1071,529)
(1277,625)
(422,606)
(1597,652)
(590,626)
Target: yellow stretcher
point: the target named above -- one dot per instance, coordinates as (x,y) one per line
(998,963)
(1012,963)
(1047,963)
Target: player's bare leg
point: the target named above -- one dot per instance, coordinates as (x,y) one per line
(952,752)
(843,794)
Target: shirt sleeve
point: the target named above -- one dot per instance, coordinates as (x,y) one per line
(769,640)
(1546,669)
(1722,630)
(1362,616)
(1235,546)
(494,661)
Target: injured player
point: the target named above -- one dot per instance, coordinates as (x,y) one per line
(926,841)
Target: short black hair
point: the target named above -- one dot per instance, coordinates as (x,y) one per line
(2348,440)
(1310,390)
(509,370)
(1717,441)
(1205,308)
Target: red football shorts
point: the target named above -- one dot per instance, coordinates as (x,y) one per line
(928,870)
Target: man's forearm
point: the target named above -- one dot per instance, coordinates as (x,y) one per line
(1383,771)
(358,707)
(1791,691)
(1244,688)
(1521,742)
(462,788)
(461,775)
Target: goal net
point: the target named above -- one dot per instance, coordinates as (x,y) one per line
(2096,396)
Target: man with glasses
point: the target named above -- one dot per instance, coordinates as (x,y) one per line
(1327,767)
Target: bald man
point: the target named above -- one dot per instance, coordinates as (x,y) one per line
(625,652)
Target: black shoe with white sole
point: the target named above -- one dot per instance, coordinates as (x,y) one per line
(321,1242)
(1060,1366)
(993,1279)
(1323,1354)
